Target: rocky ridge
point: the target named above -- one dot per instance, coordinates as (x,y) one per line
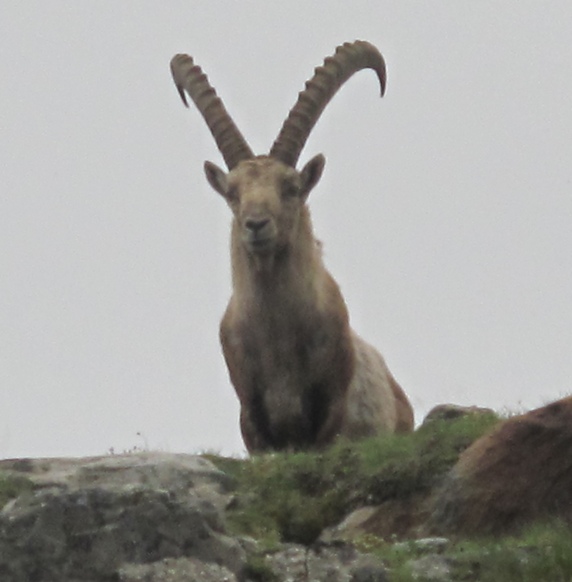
(162,517)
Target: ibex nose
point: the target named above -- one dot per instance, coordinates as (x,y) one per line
(255,225)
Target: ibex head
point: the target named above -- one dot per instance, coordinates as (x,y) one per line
(266,193)
(265,196)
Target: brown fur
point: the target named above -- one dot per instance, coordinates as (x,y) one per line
(301,374)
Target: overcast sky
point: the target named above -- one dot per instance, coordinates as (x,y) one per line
(445,208)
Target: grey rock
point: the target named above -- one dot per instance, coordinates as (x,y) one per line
(152,469)
(325,563)
(431,568)
(87,518)
(368,569)
(176,570)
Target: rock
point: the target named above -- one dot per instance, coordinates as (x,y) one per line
(435,545)
(352,526)
(176,570)
(431,568)
(519,472)
(395,518)
(452,412)
(325,562)
(298,563)
(90,517)
(367,569)
(152,469)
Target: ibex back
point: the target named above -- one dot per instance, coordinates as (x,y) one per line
(302,375)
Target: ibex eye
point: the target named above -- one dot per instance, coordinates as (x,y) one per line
(289,190)
(232,194)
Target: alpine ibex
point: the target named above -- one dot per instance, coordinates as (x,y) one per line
(302,375)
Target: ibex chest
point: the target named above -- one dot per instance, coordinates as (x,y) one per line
(278,346)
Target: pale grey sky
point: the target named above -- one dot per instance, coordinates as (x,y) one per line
(445,208)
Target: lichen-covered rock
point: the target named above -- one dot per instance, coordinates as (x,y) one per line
(87,518)
(519,472)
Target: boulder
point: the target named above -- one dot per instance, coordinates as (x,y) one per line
(453,411)
(87,518)
(519,472)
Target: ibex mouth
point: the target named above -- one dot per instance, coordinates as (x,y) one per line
(259,244)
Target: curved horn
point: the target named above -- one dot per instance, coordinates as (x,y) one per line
(336,70)
(190,78)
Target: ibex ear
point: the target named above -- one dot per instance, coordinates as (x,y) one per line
(217,178)
(311,174)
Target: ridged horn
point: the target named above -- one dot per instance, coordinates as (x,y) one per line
(348,59)
(190,78)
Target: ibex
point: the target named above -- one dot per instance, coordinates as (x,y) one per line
(302,375)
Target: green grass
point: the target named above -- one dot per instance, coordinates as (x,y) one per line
(292,497)
(13,486)
(542,553)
